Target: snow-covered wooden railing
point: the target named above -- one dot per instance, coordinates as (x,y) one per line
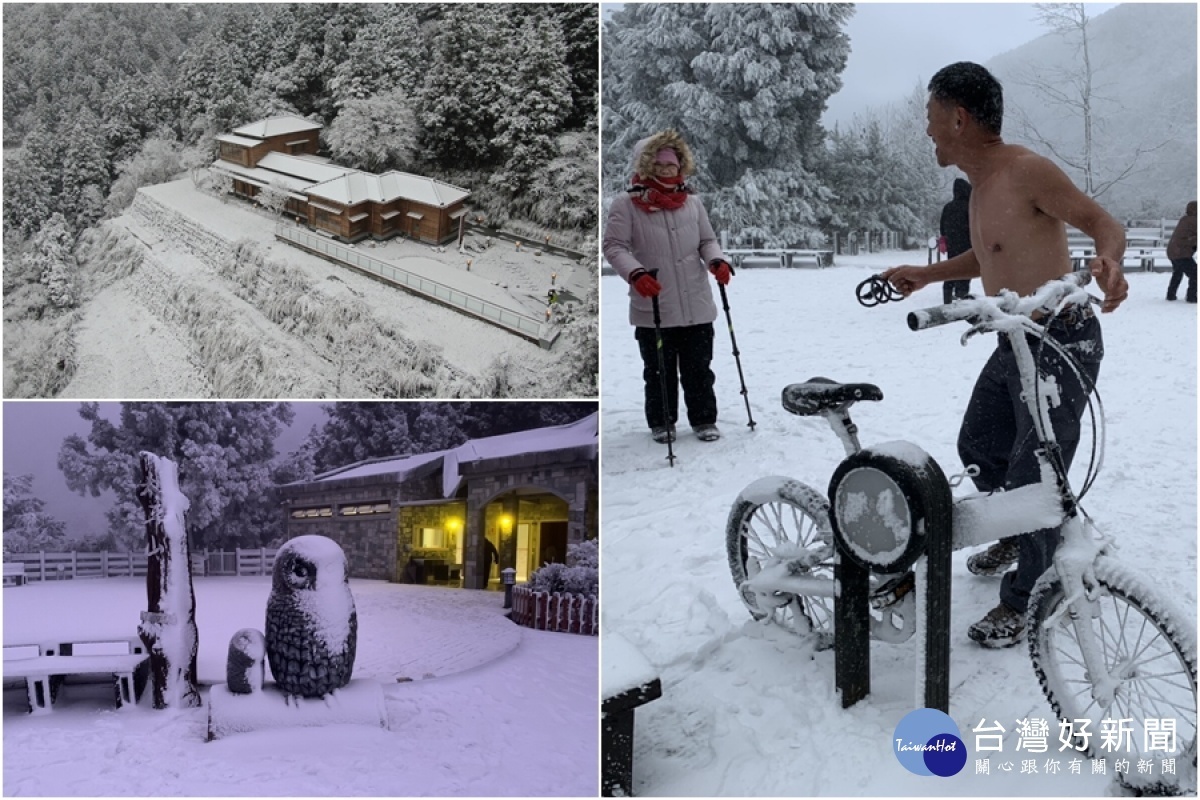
(45,566)
(527,327)
(565,613)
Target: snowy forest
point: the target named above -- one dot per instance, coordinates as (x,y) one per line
(229,465)
(747,83)
(101,99)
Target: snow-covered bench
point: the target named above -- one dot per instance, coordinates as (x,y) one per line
(44,669)
(786,255)
(627,681)
(14,574)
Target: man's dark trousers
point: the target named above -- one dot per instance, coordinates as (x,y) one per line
(997,433)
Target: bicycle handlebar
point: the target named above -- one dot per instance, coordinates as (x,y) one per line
(1048,298)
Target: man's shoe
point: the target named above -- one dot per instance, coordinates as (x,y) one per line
(1000,627)
(707,433)
(1171,297)
(996,559)
(663,433)
(1191,299)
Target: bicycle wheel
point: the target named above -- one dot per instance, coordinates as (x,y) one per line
(1149,647)
(780,521)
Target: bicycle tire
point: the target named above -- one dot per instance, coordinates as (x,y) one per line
(795,515)
(1161,637)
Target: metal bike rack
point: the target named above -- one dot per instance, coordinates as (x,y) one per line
(892,507)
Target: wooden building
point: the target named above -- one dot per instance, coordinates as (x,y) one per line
(345,203)
(424,518)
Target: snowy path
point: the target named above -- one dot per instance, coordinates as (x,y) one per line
(124,351)
(512,711)
(748,710)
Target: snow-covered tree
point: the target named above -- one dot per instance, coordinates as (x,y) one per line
(50,259)
(532,109)
(1078,93)
(156,161)
(273,197)
(466,78)
(224,451)
(358,431)
(27,526)
(374,133)
(386,54)
(85,163)
(746,84)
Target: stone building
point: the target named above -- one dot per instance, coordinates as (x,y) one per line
(424,518)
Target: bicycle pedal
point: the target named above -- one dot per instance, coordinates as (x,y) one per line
(893,591)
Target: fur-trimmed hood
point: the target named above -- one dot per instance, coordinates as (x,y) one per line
(645,150)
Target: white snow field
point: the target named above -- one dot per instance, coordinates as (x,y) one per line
(149,334)
(752,710)
(477,706)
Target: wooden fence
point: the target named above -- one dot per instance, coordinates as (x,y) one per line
(565,613)
(44,566)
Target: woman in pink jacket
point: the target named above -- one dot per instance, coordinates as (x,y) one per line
(659,225)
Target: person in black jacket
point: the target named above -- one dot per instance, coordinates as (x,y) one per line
(957,233)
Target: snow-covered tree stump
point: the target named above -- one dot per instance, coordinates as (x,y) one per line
(168,626)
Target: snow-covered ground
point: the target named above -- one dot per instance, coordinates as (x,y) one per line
(125,351)
(477,706)
(751,710)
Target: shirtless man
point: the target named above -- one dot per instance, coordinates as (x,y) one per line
(1018,209)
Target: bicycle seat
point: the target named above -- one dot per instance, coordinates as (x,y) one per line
(821,394)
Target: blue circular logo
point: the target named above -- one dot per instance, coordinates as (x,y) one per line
(927,742)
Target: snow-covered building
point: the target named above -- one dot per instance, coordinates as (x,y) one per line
(425,518)
(346,203)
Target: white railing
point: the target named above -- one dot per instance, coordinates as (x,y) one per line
(43,566)
(456,299)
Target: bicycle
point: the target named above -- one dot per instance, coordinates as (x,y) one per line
(1100,639)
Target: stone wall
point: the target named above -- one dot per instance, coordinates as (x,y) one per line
(191,236)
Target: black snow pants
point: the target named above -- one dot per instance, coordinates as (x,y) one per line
(687,354)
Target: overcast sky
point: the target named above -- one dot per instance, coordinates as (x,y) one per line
(895,46)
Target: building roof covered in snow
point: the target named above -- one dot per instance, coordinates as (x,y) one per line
(296,173)
(276,126)
(360,187)
(581,436)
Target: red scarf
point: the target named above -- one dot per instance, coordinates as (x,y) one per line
(659,194)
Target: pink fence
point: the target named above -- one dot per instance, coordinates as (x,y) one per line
(565,613)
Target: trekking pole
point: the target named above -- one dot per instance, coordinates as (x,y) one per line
(662,373)
(736,355)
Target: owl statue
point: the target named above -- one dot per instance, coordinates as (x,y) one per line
(244,665)
(312,627)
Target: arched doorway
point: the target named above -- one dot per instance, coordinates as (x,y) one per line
(528,527)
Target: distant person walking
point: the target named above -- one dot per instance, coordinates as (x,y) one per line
(956,230)
(659,225)
(1181,249)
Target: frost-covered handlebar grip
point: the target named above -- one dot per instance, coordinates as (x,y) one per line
(938,315)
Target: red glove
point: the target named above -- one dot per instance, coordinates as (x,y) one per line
(644,283)
(721,271)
